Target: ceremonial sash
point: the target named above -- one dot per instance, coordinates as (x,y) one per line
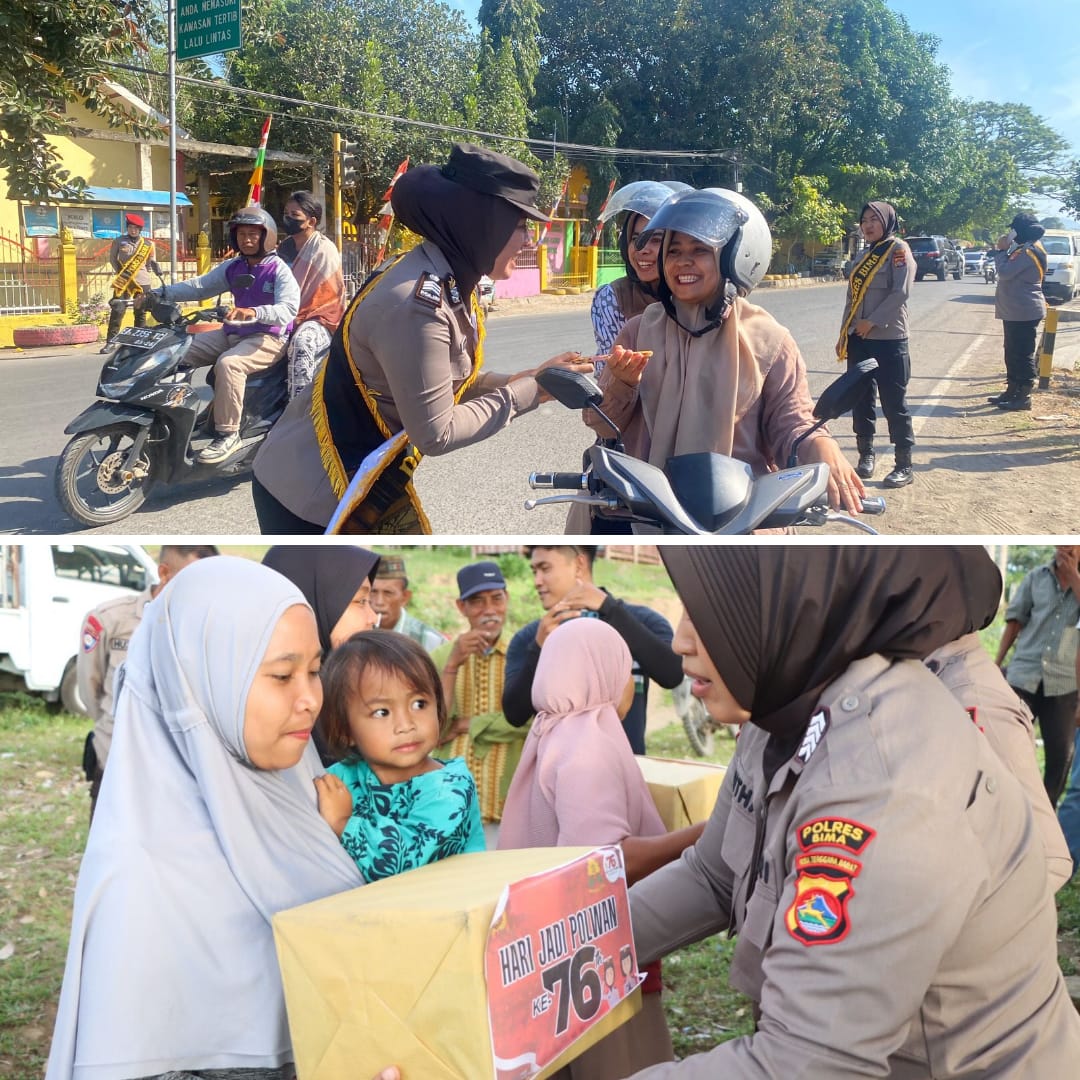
(124,284)
(379,497)
(861,276)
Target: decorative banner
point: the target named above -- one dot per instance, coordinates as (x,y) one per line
(386,221)
(554,211)
(255,183)
(548,982)
(78,220)
(41,221)
(107,223)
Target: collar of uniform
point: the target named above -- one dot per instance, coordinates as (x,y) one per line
(437,260)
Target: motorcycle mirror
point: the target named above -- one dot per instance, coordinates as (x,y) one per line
(841,394)
(570,388)
(244,281)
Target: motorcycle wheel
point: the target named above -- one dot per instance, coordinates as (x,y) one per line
(86,485)
(698,725)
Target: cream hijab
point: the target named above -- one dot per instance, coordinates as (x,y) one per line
(695,390)
(171,962)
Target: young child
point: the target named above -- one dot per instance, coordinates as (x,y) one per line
(393,806)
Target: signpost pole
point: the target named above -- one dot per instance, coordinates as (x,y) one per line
(172,140)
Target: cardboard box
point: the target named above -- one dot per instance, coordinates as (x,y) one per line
(394,972)
(684,791)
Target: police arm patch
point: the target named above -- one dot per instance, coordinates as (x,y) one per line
(819,913)
(91,633)
(835,832)
(428,289)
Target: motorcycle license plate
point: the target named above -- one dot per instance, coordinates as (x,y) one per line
(142,337)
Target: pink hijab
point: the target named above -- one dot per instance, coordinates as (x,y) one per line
(578,782)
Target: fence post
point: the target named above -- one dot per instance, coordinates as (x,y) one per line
(1046,359)
(592,264)
(542,265)
(69,275)
(202,260)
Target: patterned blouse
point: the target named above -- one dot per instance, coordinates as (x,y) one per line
(398,827)
(607,318)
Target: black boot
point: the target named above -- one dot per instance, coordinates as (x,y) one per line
(116,316)
(867,460)
(901,475)
(1005,395)
(1021,400)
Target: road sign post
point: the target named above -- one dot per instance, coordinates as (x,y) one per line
(204,27)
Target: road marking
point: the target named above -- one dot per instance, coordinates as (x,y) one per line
(923,413)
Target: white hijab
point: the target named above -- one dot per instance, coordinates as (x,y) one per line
(171,962)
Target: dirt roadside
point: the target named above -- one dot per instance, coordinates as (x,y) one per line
(979,471)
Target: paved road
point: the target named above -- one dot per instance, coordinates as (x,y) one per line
(480,489)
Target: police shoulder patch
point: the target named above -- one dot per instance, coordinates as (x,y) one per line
(453,292)
(834,832)
(899,257)
(817,727)
(91,633)
(819,913)
(429,289)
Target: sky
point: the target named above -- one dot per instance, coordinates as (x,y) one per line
(1021,51)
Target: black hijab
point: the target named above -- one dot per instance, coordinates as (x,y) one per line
(886,214)
(781,623)
(328,576)
(469,227)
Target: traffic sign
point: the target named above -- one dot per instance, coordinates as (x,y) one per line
(204,27)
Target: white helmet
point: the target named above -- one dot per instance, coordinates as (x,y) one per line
(643,197)
(726,220)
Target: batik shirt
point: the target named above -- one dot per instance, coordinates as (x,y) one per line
(398,827)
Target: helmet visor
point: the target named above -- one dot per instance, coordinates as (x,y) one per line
(643,197)
(705,215)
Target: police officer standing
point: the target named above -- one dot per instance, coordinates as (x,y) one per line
(129,256)
(105,636)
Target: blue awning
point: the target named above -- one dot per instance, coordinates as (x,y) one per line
(132,196)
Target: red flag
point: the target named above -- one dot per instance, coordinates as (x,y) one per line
(255,183)
(387,219)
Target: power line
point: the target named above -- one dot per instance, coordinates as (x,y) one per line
(577,150)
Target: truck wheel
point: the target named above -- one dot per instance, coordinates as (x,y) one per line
(919,275)
(69,690)
(942,275)
(88,482)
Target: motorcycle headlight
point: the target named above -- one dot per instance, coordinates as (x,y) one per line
(121,387)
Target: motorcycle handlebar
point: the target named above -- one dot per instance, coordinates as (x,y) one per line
(873,504)
(564,480)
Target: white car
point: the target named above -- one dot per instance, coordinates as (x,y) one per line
(973,261)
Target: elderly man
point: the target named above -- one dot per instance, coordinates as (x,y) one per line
(473,669)
(390,593)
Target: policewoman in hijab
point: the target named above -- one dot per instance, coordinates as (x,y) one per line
(708,370)
(403,377)
(207,825)
(876,860)
(630,295)
(1019,303)
(875,324)
(336,581)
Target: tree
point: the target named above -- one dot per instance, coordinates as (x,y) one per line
(55,51)
(808,216)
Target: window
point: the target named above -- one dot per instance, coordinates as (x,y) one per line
(102,565)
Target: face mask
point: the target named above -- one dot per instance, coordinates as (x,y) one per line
(294,225)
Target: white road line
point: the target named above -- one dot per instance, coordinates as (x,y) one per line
(923,413)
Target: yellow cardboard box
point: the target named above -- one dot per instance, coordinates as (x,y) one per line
(393,972)
(684,791)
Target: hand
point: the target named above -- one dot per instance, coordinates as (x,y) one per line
(335,802)
(863,327)
(569,361)
(585,596)
(241,314)
(391,1072)
(627,365)
(471,643)
(459,726)
(1004,242)
(846,489)
(144,299)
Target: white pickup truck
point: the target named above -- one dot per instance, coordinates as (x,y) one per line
(46,591)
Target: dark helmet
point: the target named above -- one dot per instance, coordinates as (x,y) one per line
(254,215)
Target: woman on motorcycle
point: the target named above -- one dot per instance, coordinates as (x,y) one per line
(628,296)
(316,265)
(403,374)
(704,369)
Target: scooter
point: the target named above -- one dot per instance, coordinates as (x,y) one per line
(989,270)
(703,494)
(151,420)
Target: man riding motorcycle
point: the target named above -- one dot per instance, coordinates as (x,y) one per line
(266,298)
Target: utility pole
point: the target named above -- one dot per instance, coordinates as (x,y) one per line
(172,140)
(336,173)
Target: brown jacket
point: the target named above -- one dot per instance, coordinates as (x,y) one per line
(105,636)
(899,922)
(414,345)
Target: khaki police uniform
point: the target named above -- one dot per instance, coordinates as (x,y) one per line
(105,636)
(973,678)
(888,889)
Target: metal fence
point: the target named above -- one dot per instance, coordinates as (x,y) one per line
(29,277)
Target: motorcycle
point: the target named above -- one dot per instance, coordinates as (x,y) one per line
(989,270)
(151,420)
(701,729)
(702,494)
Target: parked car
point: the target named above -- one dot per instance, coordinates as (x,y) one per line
(1062,281)
(935,255)
(973,261)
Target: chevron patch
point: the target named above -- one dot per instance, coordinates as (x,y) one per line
(815,731)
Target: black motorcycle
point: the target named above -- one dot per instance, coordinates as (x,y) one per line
(702,494)
(151,421)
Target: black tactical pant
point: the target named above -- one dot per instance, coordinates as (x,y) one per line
(117,307)
(891,379)
(1021,365)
